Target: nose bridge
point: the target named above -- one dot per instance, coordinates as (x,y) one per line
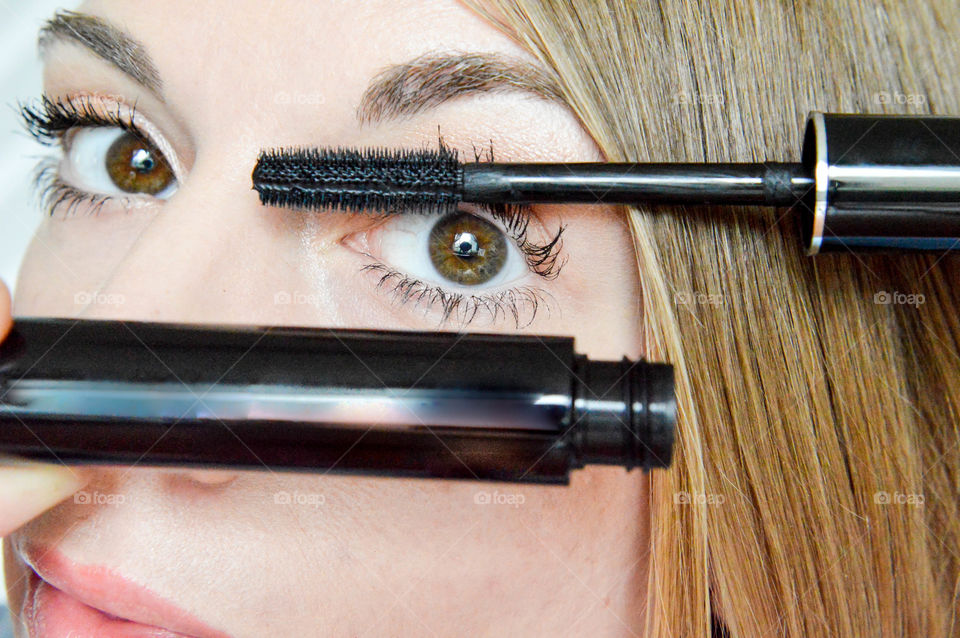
(212,254)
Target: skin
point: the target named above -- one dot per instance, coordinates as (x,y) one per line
(379,556)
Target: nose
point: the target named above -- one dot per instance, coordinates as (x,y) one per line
(210,478)
(142,483)
(212,254)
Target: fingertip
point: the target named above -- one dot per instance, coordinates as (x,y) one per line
(28,488)
(6,321)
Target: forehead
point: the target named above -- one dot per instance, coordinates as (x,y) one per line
(221,59)
(241,76)
(310,29)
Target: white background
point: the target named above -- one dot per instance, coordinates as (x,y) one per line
(20,21)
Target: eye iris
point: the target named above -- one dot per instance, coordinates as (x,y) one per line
(466,249)
(135,166)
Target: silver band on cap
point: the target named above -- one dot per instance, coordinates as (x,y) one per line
(821,178)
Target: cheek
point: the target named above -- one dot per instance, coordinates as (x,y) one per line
(69,257)
(352,545)
(599,296)
(492,541)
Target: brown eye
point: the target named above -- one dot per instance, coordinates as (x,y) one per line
(467,249)
(135,166)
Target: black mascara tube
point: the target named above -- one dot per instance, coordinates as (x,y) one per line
(404,404)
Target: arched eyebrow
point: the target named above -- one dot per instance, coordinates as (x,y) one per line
(398,91)
(105,40)
(429,80)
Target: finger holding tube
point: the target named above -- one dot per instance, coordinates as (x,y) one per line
(28,488)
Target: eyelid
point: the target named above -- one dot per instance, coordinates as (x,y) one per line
(147,128)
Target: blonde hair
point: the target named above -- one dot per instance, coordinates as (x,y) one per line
(818,446)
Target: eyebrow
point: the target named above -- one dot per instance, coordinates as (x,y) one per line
(105,40)
(398,91)
(431,79)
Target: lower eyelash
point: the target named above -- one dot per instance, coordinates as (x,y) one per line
(515,303)
(54,193)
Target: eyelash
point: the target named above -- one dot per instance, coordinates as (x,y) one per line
(55,193)
(543,259)
(464,308)
(50,121)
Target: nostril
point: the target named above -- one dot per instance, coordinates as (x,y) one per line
(213,478)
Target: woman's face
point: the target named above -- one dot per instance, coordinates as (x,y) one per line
(214,84)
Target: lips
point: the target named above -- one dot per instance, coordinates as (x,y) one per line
(68,600)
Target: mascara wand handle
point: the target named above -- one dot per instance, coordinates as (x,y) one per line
(864,183)
(765,184)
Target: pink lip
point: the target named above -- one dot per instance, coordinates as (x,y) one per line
(67,599)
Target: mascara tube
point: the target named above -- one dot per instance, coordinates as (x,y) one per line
(405,404)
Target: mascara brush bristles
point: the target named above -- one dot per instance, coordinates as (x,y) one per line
(381,180)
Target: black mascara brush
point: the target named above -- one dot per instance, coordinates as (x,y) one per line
(864,182)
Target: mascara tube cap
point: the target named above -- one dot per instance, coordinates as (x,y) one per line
(624,413)
(881,182)
(432,405)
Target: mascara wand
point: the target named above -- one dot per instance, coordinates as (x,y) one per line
(864,182)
